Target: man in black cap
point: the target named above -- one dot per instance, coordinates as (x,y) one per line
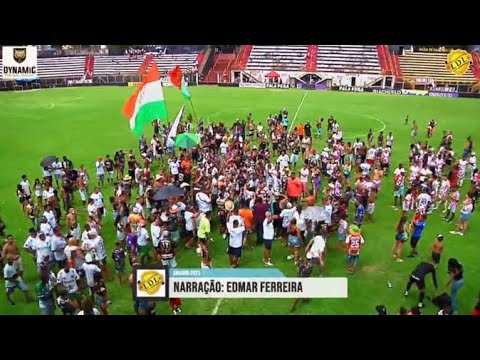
(381,310)
(417,277)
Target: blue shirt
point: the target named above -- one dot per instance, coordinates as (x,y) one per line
(418,229)
(360,211)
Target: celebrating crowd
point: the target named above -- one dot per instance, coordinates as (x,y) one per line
(254,184)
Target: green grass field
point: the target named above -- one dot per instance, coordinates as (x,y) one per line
(84,123)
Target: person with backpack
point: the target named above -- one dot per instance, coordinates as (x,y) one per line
(455,272)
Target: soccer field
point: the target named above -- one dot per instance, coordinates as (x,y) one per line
(84,123)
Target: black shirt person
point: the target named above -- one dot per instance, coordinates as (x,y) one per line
(307,129)
(304,270)
(417,277)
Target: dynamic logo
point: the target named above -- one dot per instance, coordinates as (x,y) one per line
(458,62)
(19,54)
(150,282)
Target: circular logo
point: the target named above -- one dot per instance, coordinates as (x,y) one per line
(150,282)
(458,62)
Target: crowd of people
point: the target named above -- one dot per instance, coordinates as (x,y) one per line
(246,177)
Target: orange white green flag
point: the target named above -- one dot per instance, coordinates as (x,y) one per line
(147,103)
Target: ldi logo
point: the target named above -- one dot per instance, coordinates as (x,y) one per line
(19,63)
(458,62)
(151,282)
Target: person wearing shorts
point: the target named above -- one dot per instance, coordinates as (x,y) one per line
(418,224)
(13,281)
(437,248)
(353,242)
(268,235)
(417,277)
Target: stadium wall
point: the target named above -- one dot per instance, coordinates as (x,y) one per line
(134,80)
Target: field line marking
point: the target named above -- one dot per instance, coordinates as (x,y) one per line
(298,110)
(217,306)
(52,105)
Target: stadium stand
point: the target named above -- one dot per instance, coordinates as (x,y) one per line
(73,67)
(360,59)
(430,65)
(274,57)
(107,65)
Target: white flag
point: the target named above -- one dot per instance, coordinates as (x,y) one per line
(173,129)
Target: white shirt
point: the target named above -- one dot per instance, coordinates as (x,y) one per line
(286,215)
(156,232)
(268,230)
(204,202)
(43,248)
(236,236)
(300,221)
(50,218)
(283,161)
(30,243)
(58,245)
(173,167)
(25,186)
(97,199)
(140,207)
(68,280)
(88,244)
(399,171)
(304,172)
(91,209)
(90,270)
(318,247)
(423,200)
(99,246)
(142,237)
(223,148)
(100,167)
(189,223)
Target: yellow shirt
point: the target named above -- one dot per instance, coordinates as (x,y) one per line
(203,227)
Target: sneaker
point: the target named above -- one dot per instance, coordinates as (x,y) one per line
(449,221)
(420,305)
(459,233)
(406,293)
(179,310)
(290,257)
(399,260)
(224,236)
(268,263)
(453,232)
(175,312)
(444,211)
(109,302)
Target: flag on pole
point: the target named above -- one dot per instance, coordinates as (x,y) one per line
(173,130)
(177,80)
(184,90)
(145,64)
(147,103)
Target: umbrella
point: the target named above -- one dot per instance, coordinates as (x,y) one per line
(167,192)
(187,141)
(48,161)
(272,74)
(315,213)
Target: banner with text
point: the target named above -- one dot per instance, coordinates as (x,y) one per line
(252,85)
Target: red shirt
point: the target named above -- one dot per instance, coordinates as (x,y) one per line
(294,187)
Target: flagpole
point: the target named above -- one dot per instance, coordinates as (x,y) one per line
(193,108)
